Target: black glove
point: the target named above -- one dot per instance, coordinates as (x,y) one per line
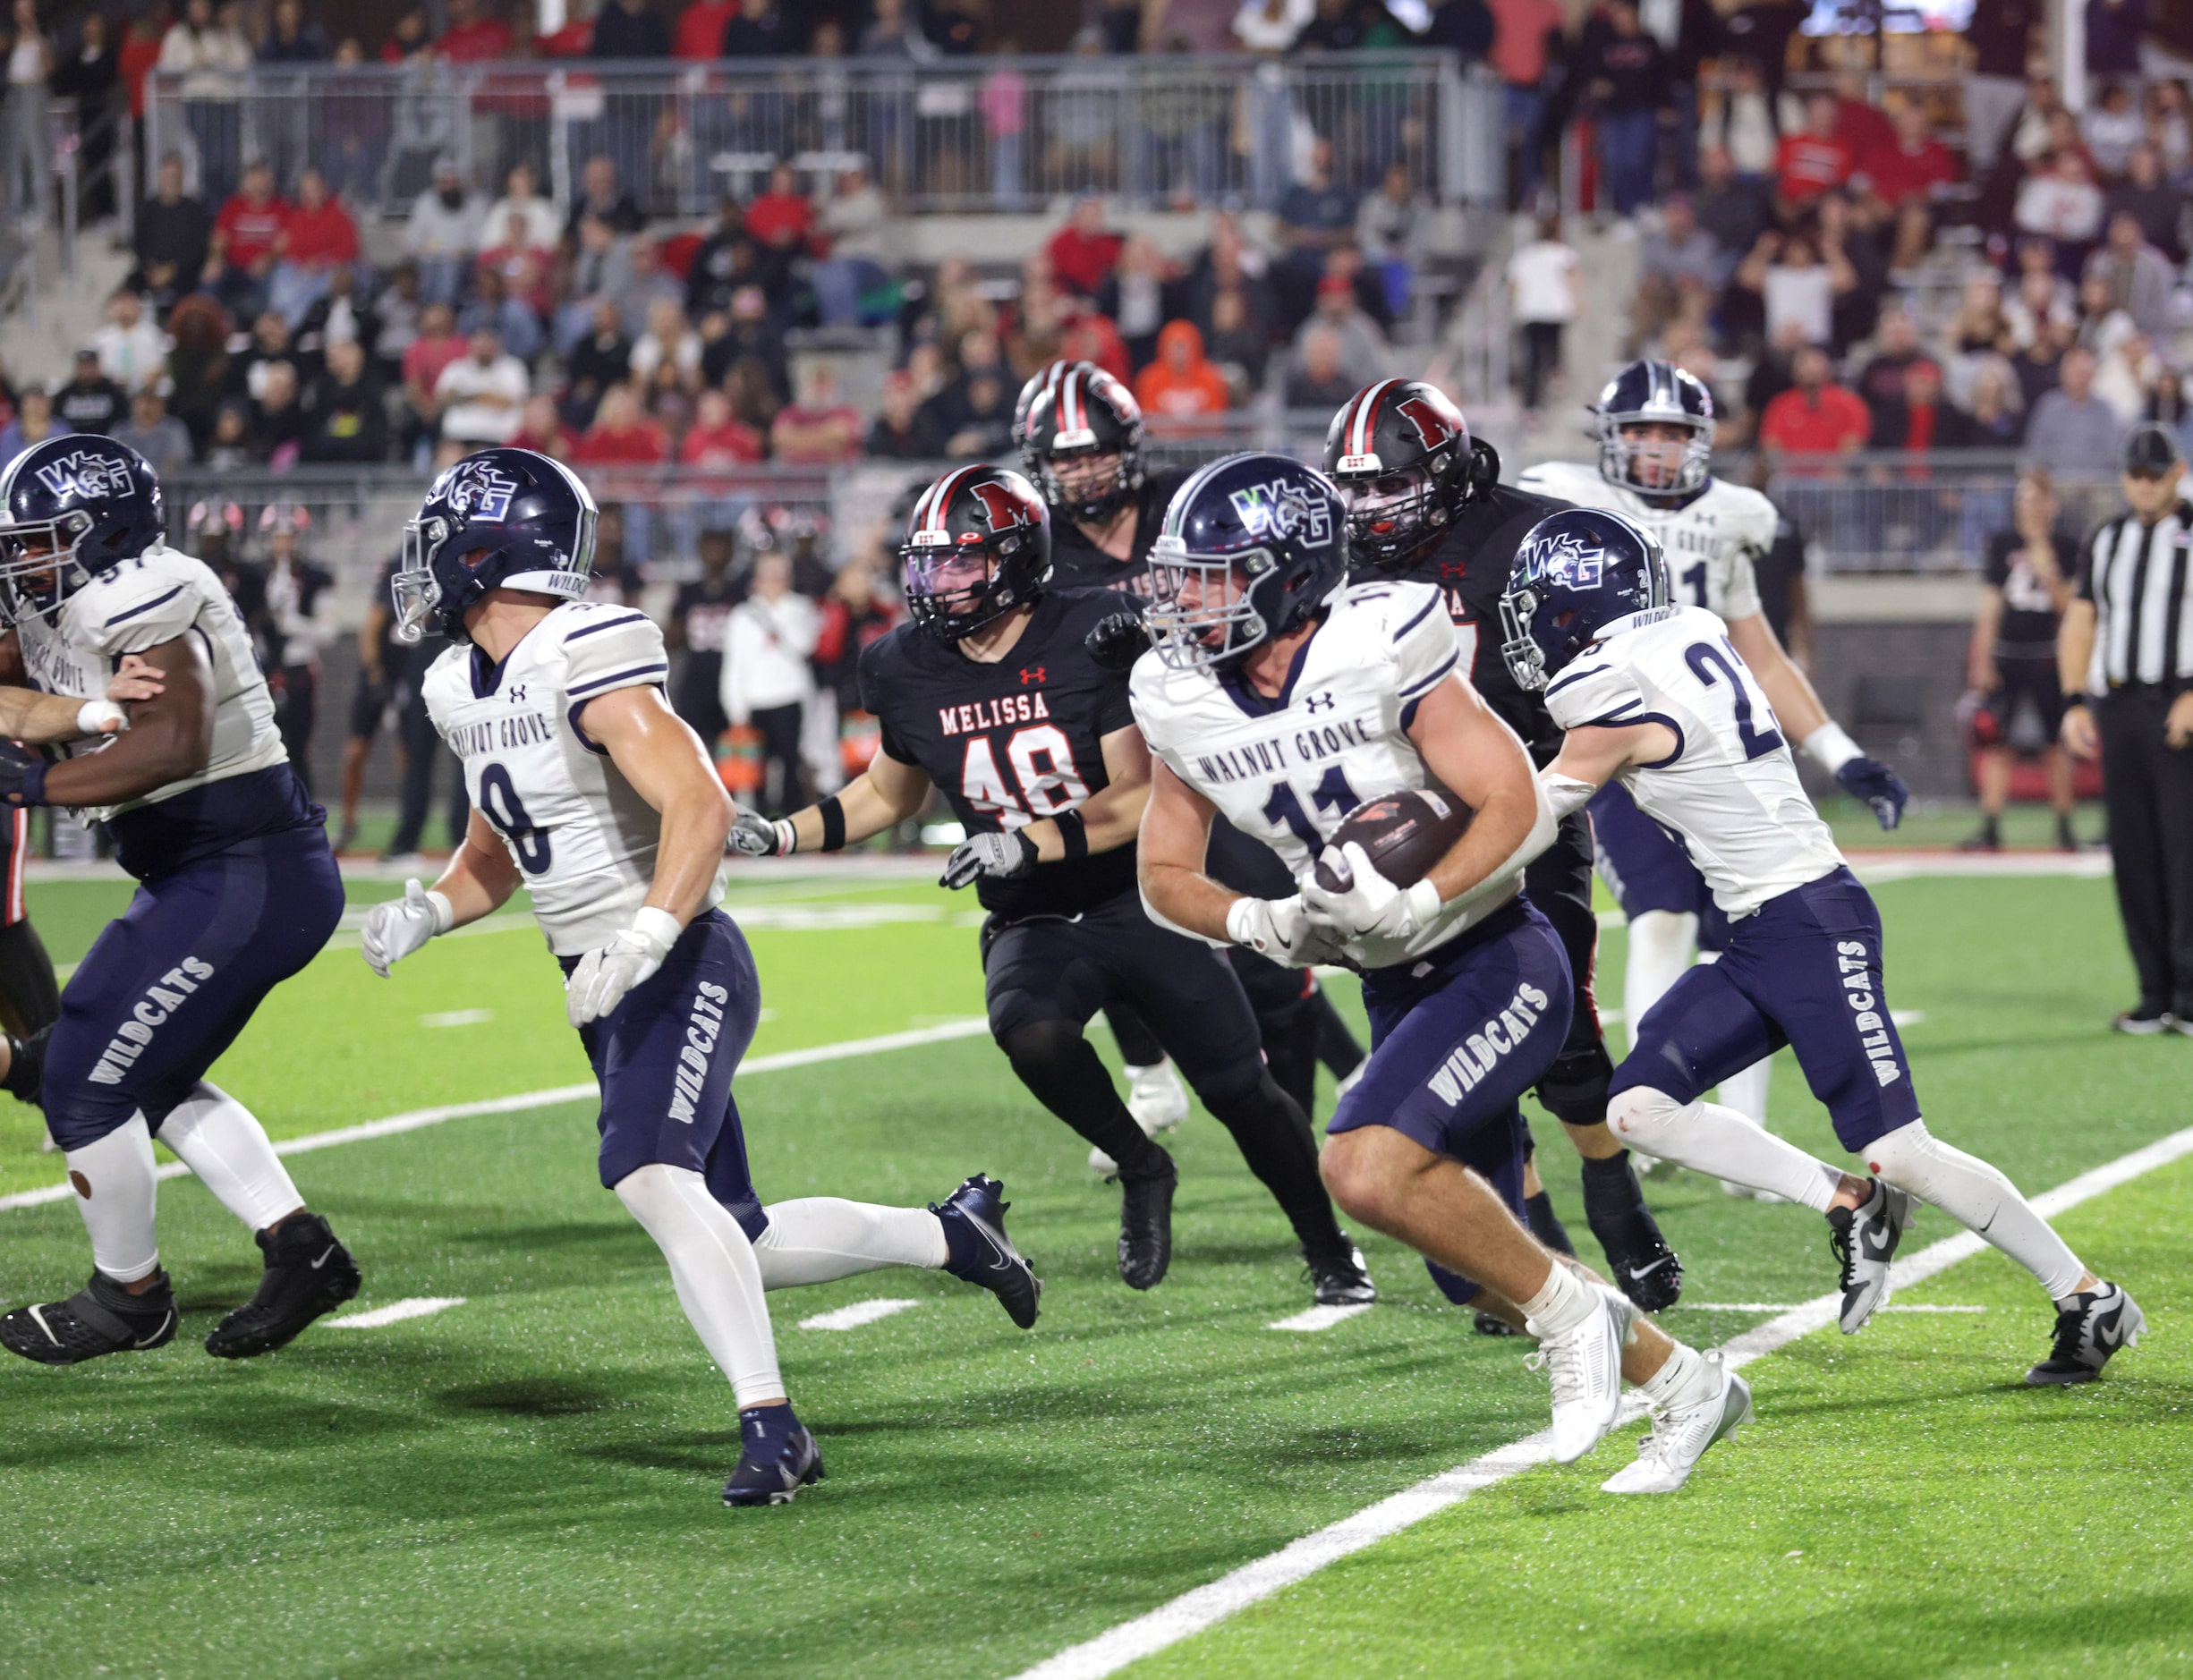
(754,835)
(23,774)
(999,856)
(1118,642)
(1878,785)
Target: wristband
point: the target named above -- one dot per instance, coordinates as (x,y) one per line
(658,928)
(2080,699)
(1830,748)
(833,816)
(445,912)
(1424,901)
(92,714)
(788,836)
(1073,833)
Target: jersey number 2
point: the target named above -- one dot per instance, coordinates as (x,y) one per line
(500,805)
(1704,658)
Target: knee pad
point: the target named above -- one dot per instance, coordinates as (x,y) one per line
(1907,1158)
(1575,1087)
(1644,1118)
(1041,1046)
(1236,1083)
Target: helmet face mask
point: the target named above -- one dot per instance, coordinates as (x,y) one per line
(72,507)
(1203,607)
(1390,517)
(1654,414)
(1577,572)
(1251,548)
(977,548)
(1401,454)
(1083,440)
(39,564)
(504,518)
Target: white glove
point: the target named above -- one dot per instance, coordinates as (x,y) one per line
(1371,904)
(1281,929)
(397,927)
(598,984)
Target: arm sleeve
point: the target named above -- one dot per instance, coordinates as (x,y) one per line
(1594,691)
(142,609)
(2085,565)
(1425,650)
(611,650)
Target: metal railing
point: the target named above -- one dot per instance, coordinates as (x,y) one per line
(992,134)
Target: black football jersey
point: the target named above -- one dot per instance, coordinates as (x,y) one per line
(1011,741)
(1471,565)
(1078,563)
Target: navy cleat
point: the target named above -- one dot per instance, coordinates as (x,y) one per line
(780,1458)
(308,1273)
(103,1316)
(2089,1328)
(979,1252)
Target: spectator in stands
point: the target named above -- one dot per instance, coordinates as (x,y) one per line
(2158,208)
(646,281)
(154,433)
(392,322)
(524,269)
(601,272)
(1084,252)
(1362,347)
(1896,351)
(232,446)
(902,429)
(1812,161)
(1525,35)
(132,352)
(599,196)
(1980,325)
(1180,384)
(1999,35)
(627,29)
(241,257)
(1625,74)
(888,35)
(2039,361)
(522,197)
(1798,282)
(170,237)
(854,227)
(2111,127)
(2113,31)
(91,402)
(975,414)
(34,423)
(1922,418)
(2061,201)
(1546,291)
(407,38)
(317,236)
(346,418)
(699,618)
(1993,405)
(89,76)
(443,234)
(761,29)
(819,429)
(2070,429)
(1815,415)
(209,52)
(766,680)
(668,339)
(622,434)
(699,36)
(1733,208)
(277,419)
(1140,296)
(1317,381)
(512,319)
(602,359)
(1744,131)
(717,440)
(541,428)
(1237,346)
(721,263)
(1390,225)
(2169,127)
(1860,125)
(2139,277)
(753,399)
(1316,216)
(1680,269)
(481,393)
(780,222)
(473,36)
(1904,178)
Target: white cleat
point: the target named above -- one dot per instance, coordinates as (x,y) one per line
(1864,1240)
(1682,1432)
(1585,1366)
(1158,1101)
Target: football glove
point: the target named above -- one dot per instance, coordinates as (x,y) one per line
(1280,928)
(1370,904)
(756,836)
(1117,640)
(397,927)
(23,774)
(999,856)
(1878,785)
(604,976)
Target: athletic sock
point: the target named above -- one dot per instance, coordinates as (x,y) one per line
(1562,1302)
(227,1149)
(1745,1090)
(1680,1379)
(1273,1136)
(1978,1197)
(1063,1071)
(115,1193)
(1612,1197)
(819,1239)
(1546,1225)
(713,1269)
(1662,943)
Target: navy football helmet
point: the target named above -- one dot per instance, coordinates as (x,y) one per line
(1656,393)
(978,545)
(1577,572)
(1401,454)
(1251,548)
(503,519)
(1085,414)
(70,508)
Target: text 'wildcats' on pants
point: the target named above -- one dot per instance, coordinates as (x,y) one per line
(161,999)
(1477,1055)
(701,1029)
(1860,980)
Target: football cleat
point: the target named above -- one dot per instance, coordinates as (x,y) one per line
(778,1458)
(1863,1239)
(2094,1325)
(979,1252)
(1338,1276)
(1583,1365)
(103,1316)
(308,1273)
(1681,1433)
(1643,1266)
(1146,1224)
(1158,1101)
(1486,1324)
(2142,1022)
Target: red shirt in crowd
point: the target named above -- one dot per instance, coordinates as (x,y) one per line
(731,445)
(1807,166)
(700,29)
(319,238)
(1861,127)
(249,230)
(557,443)
(140,54)
(639,445)
(475,43)
(427,358)
(781,219)
(575,40)
(1898,174)
(1080,261)
(1832,419)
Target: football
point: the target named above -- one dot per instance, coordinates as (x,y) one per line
(1402,835)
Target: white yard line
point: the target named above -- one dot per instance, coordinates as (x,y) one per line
(550,1098)
(394,1312)
(1192,1612)
(854,1316)
(1785,1306)
(1317,1319)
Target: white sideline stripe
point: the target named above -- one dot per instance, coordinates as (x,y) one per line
(458,1018)
(1206,1606)
(854,1316)
(420,1117)
(1784,1306)
(1317,1319)
(395,1313)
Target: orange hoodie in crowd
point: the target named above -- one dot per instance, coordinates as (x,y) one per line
(1180,382)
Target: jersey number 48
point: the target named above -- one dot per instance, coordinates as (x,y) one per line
(1041,761)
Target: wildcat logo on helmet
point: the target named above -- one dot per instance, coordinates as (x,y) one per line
(1280,509)
(482,492)
(86,474)
(1562,558)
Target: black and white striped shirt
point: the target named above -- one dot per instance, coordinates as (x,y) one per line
(2140,580)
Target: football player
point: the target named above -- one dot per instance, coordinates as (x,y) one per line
(1425,504)
(1656,425)
(1281,700)
(237,892)
(589,791)
(1654,693)
(991,695)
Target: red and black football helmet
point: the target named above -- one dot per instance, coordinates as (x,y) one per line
(978,545)
(1401,451)
(1044,378)
(1086,414)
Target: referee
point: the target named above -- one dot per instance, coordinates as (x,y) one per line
(2125,655)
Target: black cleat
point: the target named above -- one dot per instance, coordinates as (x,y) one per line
(2094,1325)
(780,1458)
(1338,1276)
(308,1273)
(1486,1324)
(980,1253)
(1146,1224)
(103,1316)
(25,1080)
(1643,1266)
(1864,1240)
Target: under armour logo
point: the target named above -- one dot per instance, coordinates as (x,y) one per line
(517,693)
(1316,703)
(1031,674)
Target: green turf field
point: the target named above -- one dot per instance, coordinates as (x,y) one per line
(526,1483)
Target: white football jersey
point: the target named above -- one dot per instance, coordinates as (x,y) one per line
(139,604)
(1286,771)
(1730,794)
(1710,540)
(580,833)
